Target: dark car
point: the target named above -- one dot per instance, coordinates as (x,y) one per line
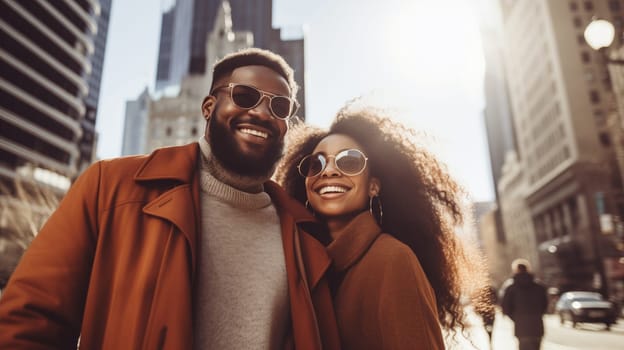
(586,307)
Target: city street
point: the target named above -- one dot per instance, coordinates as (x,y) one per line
(558,337)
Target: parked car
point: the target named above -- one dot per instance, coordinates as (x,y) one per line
(585,307)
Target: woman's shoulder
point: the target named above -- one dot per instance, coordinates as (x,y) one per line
(388,250)
(397,262)
(388,243)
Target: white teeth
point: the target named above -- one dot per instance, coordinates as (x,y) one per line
(264,135)
(332,189)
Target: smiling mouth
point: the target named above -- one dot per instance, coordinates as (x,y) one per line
(254,132)
(332,189)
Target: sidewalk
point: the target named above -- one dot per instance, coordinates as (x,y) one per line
(502,337)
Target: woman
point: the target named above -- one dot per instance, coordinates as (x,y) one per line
(390,209)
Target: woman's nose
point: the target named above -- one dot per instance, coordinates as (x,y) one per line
(330,168)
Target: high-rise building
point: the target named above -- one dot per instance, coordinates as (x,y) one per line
(499,129)
(44,86)
(135,125)
(497,111)
(173,116)
(174,50)
(560,94)
(185,29)
(293,52)
(512,235)
(88,141)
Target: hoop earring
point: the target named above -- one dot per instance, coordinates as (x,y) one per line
(309,207)
(379,214)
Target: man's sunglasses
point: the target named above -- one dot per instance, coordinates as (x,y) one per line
(248,97)
(350,162)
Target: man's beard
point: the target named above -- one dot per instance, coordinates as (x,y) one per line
(226,150)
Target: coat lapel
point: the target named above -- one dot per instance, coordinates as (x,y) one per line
(175,167)
(311,253)
(173,206)
(353,241)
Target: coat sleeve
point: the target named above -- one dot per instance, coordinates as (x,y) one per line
(407,306)
(507,303)
(42,306)
(543,299)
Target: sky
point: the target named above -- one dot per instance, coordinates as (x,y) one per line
(421,60)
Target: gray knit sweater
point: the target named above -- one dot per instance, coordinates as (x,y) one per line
(241,297)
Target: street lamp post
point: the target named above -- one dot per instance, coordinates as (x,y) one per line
(599,35)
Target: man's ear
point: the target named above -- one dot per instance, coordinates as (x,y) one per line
(374,187)
(208,106)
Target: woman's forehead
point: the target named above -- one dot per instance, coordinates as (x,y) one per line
(335,143)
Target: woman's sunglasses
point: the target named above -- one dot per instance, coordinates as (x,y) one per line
(248,97)
(350,162)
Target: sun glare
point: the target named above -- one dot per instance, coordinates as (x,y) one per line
(435,41)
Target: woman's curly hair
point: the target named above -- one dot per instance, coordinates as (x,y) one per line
(421,203)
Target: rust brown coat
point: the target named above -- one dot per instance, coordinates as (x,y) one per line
(116,263)
(384,300)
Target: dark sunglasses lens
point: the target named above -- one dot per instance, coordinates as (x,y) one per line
(281,106)
(245,96)
(350,162)
(312,165)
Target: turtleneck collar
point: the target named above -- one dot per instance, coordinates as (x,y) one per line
(353,240)
(232,196)
(210,164)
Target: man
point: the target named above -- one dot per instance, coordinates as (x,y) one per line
(191,247)
(525,302)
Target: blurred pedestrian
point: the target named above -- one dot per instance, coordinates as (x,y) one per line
(525,301)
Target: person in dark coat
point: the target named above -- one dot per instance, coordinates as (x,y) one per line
(525,302)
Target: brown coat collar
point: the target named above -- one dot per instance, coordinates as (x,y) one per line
(353,241)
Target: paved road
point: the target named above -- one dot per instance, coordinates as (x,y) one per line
(558,337)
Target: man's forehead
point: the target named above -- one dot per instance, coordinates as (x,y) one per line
(260,76)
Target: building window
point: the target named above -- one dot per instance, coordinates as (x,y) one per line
(618,23)
(573,6)
(194,131)
(594,96)
(605,140)
(574,213)
(589,6)
(614,5)
(606,81)
(577,22)
(585,57)
(168,131)
(581,39)
(557,108)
